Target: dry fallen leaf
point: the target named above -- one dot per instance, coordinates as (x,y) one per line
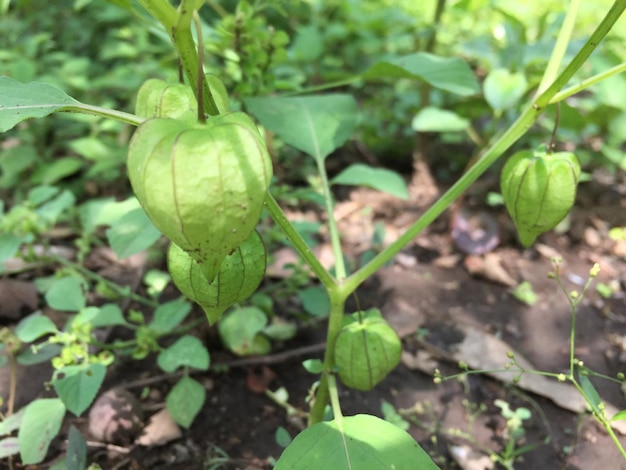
(160,430)
(470,459)
(489,267)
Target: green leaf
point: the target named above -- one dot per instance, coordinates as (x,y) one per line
(57,170)
(109,315)
(78,385)
(315,301)
(316,125)
(9,446)
(360,442)
(431,119)
(76,458)
(619,416)
(381,179)
(169,315)
(11,423)
(67,294)
(240,328)
(188,351)
(132,233)
(282,437)
(313,366)
(504,89)
(185,401)
(9,244)
(591,393)
(28,357)
(42,422)
(447,73)
(34,326)
(525,293)
(21,101)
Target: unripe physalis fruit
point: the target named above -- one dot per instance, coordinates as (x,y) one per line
(539,189)
(158,98)
(202,185)
(239,276)
(366,350)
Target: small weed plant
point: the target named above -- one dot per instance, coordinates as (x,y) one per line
(201,173)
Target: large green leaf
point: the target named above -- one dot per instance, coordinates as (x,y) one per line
(77,386)
(447,73)
(21,101)
(360,442)
(42,422)
(316,125)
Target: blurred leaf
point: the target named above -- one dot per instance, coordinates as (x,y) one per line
(308,45)
(67,294)
(188,351)
(76,454)
(447,73)
(185,401)
(42,422)
(380,179)
(28,357)
(33,327)
(9,244)
(525,293)
(14,161)
(169,315)
(78,385)
(619,416)
(21,101)
(315,301)
(132,233)
(9,446)
(11,423)
(432,119)
(240,328)
(504,89)
(57,170)
(282,437)
(316,125)
(590,392)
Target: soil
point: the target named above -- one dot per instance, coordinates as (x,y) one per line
(435,295)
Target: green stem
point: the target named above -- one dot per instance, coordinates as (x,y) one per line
(560,47)
(587,82)
(298,242)
(121,116)
(178,27)
(324,86)
(338,297)
(491,154)
(335,241)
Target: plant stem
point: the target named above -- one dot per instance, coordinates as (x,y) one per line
(587,82)
(335,241)
(338,297)
(121,116)
(178,27)
(560,47)
(298,242)
(324,86)
(493,152)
